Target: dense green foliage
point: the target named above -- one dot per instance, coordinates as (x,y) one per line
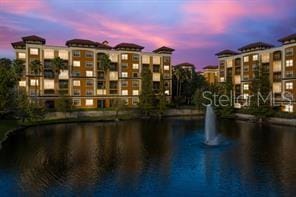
(147,95)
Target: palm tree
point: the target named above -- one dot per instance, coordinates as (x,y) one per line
(178,74)
(36,68)
(57,65)
(18,66)
(105,63)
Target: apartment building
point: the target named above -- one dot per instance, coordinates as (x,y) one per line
(279,62)
(210,73)
(84,80)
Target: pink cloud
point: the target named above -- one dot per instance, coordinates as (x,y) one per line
(21,7)
(215,17)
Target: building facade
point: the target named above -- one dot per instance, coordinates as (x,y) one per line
(279,62)
(84,80)
(210,74)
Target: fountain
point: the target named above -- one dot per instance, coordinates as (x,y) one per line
(211,136)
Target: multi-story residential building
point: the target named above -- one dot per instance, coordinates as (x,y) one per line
(186,66)
(210,73)
(85,81)
(279,62)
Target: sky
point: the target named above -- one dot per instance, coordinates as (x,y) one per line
(196,29)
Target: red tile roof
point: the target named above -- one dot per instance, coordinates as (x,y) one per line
(185,64)
(227,52)
(256,45)
(81,42)
(164,49)
(288,38)
(210,67)
(33,38)
(19,44)
(128,46)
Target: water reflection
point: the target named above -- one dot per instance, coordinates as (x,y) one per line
(157,157)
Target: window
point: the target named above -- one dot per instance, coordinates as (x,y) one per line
(89,64)
(76,92)
(101,75)
(64,74)
(255,57)
(167,92)
(135,83)
(166,60)
(76,102)
(48,84)
(135,92)
(135,75)
(76,83)
(48,54)
(89,82)
(89,73)
(124,92)
(289,63)
(265,57)
(113,57)
(76,63)
(100,85)
(89,102)
(156,68)
(89,92)
(289,85)
(289,52)
(124,74)
(246,86)
(34,82)
(135,66)
(113,76)
(246,58)
(166,67)
(124,56)
(34,51)
(245,96)
(22,83)
(113,84)
(135,57)
(22,55)
(146,59)
(63,84)
(124,65)
(113,67)
(76,73)
(289,73)
(222,79)
(288,108)
(89,54)
(76,53)
(63,54)
(124,84)
(156,59)
(135,101)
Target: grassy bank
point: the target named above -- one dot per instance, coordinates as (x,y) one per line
(6,125)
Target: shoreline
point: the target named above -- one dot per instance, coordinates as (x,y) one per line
(84,117)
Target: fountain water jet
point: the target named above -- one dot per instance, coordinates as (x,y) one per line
(211,136)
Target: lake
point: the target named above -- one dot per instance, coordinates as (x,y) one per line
(149,158)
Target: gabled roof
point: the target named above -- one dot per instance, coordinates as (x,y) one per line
(226,52)
(103,46)
(255,46)
(291,37)
(210,67)
(164,49)
(128,47)
(81,43)
(184,64)
(34,39)
(19,45)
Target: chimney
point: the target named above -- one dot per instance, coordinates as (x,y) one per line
(105,42)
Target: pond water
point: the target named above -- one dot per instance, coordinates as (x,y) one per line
(149,158)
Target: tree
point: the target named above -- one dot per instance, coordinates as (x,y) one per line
(118,104)
(18,66)
(57,65)
(36,68)
(28,111)
(105,61)
(7,85)
(260,88)
(63,104)
(146,96)
(161,97)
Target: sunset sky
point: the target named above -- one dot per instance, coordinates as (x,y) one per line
(196,29)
